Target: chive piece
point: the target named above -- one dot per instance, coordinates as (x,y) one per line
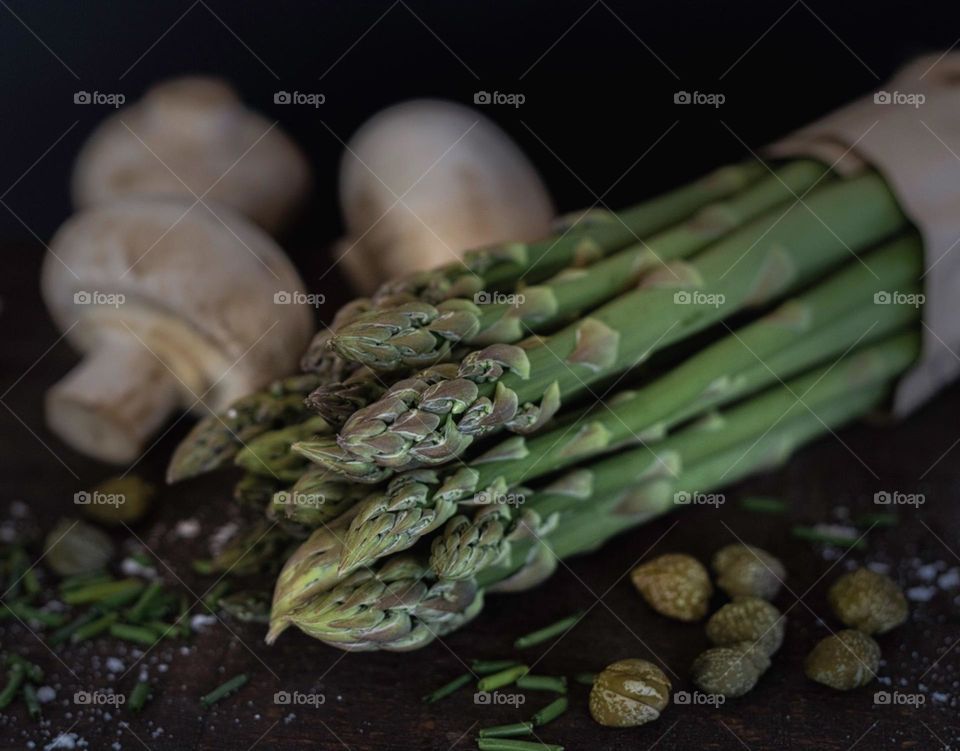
(59,636)
(485,667)
(31,700)
(550,712)
(879,519)
(509,744)
(147,598)
(27,613)
(764,505)
(14,679)
(447,689)
(547,632)
(501,679)
(30,670)
(183,620)
(223,690)
(507,731)
(136,634)
(814,535)
(138,697)
(557,684)
(82,580)
(106,593)
(93,628)
(202,566)
(586,679)
(31,584)
(163,630)
(213,597)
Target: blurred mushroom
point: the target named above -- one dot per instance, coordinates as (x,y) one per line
(425,180)
(169,303)
(194,137)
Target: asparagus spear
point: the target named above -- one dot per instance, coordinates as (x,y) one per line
(417,333)
(519,388)
(315,499)
(397,608)
(216,439)
(270,454)
(337,400)
(598,234)
(802,332)
(851,387)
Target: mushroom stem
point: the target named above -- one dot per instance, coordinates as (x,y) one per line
(110,403)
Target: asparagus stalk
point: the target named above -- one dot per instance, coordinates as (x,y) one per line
(270,455)
(802,332)
(848,387)
(315,499)
(597,235)
(519,388)
(216,439)
(337,400)
(417,333)
(401,607)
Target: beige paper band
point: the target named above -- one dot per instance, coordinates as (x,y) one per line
(910,132)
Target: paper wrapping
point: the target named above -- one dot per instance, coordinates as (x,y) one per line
(909,131)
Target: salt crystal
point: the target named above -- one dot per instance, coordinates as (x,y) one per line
(187,529)
(921,594)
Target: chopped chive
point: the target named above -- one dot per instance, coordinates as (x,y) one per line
(447,688)
(183,620)
(501,679)
(31,584)
(136,634)
(106,593)
(485,667)
(213,597)
(31,700)
(550,712)
(30,670)
(507,731)
(62,634)
(14,678)
(28,613)
(557,684)
(509,744)
(586,679)
(547,632)
(16,565)
(814,535)
(89,630)
(138,697)
(146,599)
(879,519)
(764,505)
(202,566)
(164,630)
(83,580)
(224,689)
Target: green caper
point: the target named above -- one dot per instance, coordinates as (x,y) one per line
(629,693)
(675,585)
(745,571)
(75,547)
(729,671)
(748,619)
(119,500)
(868,601)
(848,659)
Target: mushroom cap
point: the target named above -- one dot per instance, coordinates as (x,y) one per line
(464,183)
(194,134)
(198,290)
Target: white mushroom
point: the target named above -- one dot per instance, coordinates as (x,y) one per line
(194,137)
(460,180)
(169,303)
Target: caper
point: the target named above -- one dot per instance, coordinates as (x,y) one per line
(75,547)
(868,601)
(744,571)
(675,585)
(848,659)
(119,500)
(629,693)
(729,671)
(748,619)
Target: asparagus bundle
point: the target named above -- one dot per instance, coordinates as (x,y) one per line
(403,605)
(380,468)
